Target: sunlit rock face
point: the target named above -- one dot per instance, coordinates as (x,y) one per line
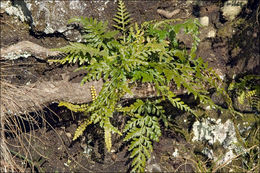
(51,16)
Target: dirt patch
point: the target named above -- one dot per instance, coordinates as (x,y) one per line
(52,149)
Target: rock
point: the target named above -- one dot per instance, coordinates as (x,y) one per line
(52,16)
(207,32)
(18,9)
(232,8)
(152,166)
(211,34)
(208,152)
(175,153)
(168,14)
(212,131)
(217,99)
(204,21)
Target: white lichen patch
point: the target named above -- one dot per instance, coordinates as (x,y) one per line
(232,8)
(175,153)
(13,10)
(17,55)
(212,131)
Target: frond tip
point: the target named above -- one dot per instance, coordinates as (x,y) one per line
(122,17)
(108,140)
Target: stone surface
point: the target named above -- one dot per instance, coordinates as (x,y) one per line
(204,21)
(211,33)
(51,17)
(152,165)
(232,8)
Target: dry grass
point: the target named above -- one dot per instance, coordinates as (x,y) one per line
(18,126)
(14,124)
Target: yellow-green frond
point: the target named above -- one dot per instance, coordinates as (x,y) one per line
(108,140)
(74,108)
(93,93)
(81,129)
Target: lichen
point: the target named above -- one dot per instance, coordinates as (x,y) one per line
(14,56)
(214,131)
(14,10)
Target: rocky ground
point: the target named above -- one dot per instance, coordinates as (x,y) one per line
(229,43)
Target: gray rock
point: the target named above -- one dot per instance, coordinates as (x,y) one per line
(52,16)
(17,9)
(212,131)
(207,32)
(217,99)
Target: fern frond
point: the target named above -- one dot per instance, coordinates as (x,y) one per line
(141,139)
(78,52)
(148,53)
(97,33)
(93,93)
(81,129)
(122,17)
(241,97)
(142,130)
(250,94)
(108,140)
(96,44)
(74,107)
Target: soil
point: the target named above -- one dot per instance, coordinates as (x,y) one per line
(52,149)
(51,146)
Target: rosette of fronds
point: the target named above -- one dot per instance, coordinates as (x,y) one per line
(149,54)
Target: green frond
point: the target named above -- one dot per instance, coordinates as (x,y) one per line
(250,94)
(122,19)
(176,102)
(108,140)
(74,107)
(142,130)
(97,40)
(81,129)
(78,52)
(247,89)
(242,97)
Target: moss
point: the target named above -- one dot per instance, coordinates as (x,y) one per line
(227,29)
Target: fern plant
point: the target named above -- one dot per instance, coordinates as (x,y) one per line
(247,88)
(148,53)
